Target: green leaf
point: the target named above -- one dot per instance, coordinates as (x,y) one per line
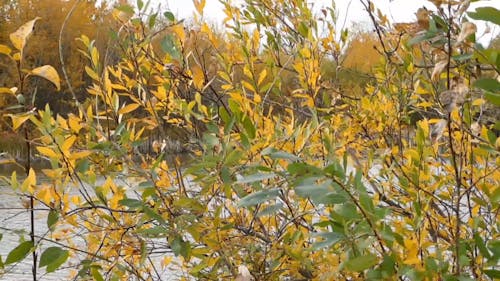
(258,197)
(131,203)
(481,246)
(169,46)
(300,169)
(256,177)
(329,239)
(181,247)
(126,9)
(152,20)
(488,84)
(249,127)
(270,210)
(153,232)
(492,86)
(419,38)
(225,175)
(140,4)
(189,203)
(303,29)
(278,154)
(347,211)
(313,190)
(52,219)
(361,263)
(52,258)
(490,14)
(492,273)
(154,215)
(96,274)
(169,16)
(344,35)
(19,252)
(493,98)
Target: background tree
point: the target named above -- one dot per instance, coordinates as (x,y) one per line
(43,48)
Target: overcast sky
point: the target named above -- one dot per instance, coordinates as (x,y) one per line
(396,10)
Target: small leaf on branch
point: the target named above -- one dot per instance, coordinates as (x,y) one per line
(258,197)
(468,29)
(48,72)
(438,69)
(19,252)
(21,35)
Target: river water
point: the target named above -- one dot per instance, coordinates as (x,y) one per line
(15,223)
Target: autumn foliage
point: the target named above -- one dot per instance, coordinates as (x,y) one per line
(301,161)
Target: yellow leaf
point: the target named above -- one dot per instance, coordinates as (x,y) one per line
(166,261)
(412,154)
(5,50)
(424,125)
(74,123)
(247,72)
(128,108)
(47,152)
(305,53)
(475,210)
(262,76)
(199,5)
(478,102)
(95,56)
(30,182)
(75,200)
(68,143)
(20,36)
(7,161)
(227,87)
(411,247)
(62,123)
(205,29)
(256,38)
(257,98)
(108,186)
(81,154)
(18,120)
(91,73)
(179,31)
(248,86)
(17,56)
(6,91)
(48,72)
(198,77)
(224,76)
(45,194)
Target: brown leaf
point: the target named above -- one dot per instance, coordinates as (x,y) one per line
(467,29)
(454,97)
(438,68)
(423,18)
(463,7)
(243,274)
